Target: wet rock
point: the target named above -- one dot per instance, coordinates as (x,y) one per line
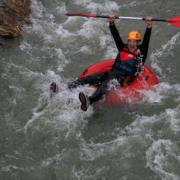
(13,15)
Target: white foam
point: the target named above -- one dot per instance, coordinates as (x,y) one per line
(9,168)
(61,8)
(37,9)
(105,41)
(107,7)
(35,116)
(25,71)
(159,157)
(46,24)
(162,92)
(64,107)
(163,51)
(71,20)
(136,4)
(62,59)
(157,94)
(95,30)
(111,52)
(70,115)
(92,151)
(63,32)
(25,46)
(89,29)
(145,124)
(56,158)
(173,116)
(52,36)
(37,111)
(152,96)
(82,2)
(85,50)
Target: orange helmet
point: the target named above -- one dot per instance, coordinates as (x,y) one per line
(134,35)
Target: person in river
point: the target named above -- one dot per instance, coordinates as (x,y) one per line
(128,64)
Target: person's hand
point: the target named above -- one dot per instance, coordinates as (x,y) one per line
(112,19)
(148,21)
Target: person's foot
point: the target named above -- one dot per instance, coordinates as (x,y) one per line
(84,101)
(54,87)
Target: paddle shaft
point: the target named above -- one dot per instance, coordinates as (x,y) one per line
(132,18)
(173,21)
(116,17)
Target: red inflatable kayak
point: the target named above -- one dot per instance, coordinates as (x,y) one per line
(133,92)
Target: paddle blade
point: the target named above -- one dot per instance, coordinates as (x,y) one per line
(174,21)
(83,15)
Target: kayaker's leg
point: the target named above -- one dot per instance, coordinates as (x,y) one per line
(101,90)
(98,94)
(86,101)
(54,87)
(93,79)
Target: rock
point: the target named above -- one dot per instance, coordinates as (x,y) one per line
(13,15)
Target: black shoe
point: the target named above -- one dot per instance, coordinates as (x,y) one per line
(84,101)
(54,87)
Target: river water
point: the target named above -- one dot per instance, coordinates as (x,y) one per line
(50,138)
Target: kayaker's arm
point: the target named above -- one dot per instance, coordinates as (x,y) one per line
(145,43)
(146,39)
(119,43)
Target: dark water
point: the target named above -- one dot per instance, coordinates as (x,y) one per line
(43,138)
